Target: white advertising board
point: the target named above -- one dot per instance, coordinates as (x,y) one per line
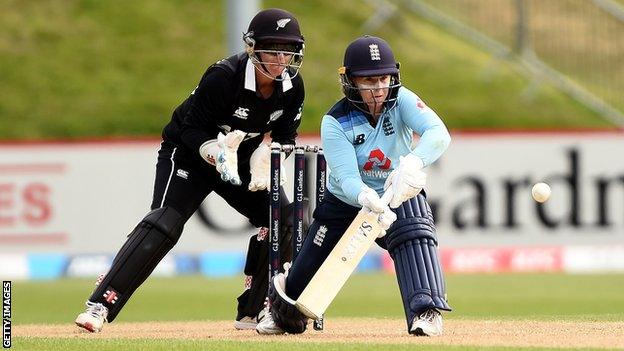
(85,197)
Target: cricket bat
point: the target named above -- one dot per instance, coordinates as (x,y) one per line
(341,262)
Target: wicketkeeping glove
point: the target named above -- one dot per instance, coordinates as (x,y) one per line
(407,180)
(222,154)
(227,159)
(260,168)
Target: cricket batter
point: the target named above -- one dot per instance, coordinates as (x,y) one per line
(367,137)
(214,143)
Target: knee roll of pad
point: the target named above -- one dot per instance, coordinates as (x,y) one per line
(283,309)
(414,220)
(166,220)
(146,245)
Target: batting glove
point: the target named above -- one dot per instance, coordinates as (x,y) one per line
(407,180)
(369,199)
(386,218)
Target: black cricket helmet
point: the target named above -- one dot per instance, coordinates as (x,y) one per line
(275,32)
(369,56)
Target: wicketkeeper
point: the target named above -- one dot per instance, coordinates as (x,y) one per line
(214,143)
(367,137)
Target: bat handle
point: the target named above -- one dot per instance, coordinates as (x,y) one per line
(387,196)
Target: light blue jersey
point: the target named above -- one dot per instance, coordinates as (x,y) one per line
(358,154)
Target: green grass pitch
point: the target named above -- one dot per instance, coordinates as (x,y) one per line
(474,297)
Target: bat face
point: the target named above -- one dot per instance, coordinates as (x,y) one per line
(339,265)
(357,239)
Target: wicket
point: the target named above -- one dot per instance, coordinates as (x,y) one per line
(299,180)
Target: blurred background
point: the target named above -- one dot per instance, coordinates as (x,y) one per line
(531,90)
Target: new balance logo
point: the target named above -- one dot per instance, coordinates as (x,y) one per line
(359,139)
(241,113)
(282,23)
(374,52)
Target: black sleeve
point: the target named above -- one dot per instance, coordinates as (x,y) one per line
(208,104)
(285,129)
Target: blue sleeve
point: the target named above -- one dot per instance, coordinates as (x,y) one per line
(434,137)
(341,157)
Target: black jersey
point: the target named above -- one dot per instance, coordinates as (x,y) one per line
(226,100)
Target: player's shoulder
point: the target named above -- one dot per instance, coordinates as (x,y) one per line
(406,94)
(228,68)
(407,99)
(340,109)
(233,64)
(345,115)
(298,86)
(297,80)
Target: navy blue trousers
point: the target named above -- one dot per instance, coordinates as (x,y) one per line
(331,219)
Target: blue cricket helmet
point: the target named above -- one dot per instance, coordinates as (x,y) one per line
(369,56)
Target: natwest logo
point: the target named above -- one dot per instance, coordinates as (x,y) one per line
(377,158)
(378,165)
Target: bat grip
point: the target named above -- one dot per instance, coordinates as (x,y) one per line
(387,196)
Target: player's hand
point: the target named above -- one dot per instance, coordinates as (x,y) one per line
(260,168)
(386,218)
(407,180)
(369,199)
(227,159)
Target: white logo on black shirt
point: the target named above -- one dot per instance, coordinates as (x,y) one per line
(241,113)
(182,174)
(275,115)
(298,116)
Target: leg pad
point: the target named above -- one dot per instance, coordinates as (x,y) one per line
(146,245)
(283,309)
(412,243)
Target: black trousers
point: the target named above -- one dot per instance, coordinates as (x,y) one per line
(331,219)
(183,181)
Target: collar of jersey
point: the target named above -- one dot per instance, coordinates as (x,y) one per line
(250,78)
